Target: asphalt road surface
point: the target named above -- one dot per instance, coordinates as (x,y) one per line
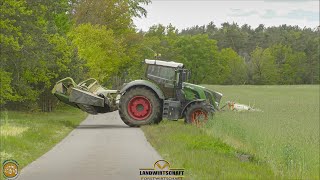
(101,147)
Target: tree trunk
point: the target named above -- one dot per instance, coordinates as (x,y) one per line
(47,102)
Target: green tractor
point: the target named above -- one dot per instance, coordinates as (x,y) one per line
(164,93)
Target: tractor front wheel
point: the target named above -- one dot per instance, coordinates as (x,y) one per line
(198,113)
(140,106)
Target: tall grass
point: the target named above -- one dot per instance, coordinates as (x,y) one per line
(285,134)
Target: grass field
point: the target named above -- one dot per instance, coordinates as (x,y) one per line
(26,136)
(283,139)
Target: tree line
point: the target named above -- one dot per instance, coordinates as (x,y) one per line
(234,54)
(44,41)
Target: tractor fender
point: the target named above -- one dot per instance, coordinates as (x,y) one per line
(145,83)
(188,104)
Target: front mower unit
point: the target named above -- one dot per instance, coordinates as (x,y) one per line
(88,95)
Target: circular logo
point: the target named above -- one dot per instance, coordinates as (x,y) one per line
(10,169)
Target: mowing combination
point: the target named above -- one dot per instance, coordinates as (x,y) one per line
(164,93)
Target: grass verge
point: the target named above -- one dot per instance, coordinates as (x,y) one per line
(26,136)
(203,156)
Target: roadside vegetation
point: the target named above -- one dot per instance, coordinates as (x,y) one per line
(283,139)
(45,41)
(202,155)
(26,136)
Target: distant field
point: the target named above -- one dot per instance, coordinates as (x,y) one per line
(283,139)
(26,136)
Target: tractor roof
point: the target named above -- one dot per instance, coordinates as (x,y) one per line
(164,63)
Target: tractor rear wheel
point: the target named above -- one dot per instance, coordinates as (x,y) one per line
(140,106)
(198,113)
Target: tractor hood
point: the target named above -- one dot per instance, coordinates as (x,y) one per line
(200,92)
(189,85)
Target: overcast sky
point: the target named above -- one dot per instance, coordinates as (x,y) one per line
(187,13)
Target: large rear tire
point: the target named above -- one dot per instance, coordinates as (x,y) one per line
(140,106)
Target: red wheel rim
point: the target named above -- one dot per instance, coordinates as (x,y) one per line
(139,108)
(199,117)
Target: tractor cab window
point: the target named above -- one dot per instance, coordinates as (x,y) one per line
(161,74)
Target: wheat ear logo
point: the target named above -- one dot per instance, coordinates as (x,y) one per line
(161,164)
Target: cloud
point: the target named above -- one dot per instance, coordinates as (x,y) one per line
(303,14)
(297,14)
(241,13)
(269,13)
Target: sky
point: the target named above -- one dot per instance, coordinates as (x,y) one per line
(188,13)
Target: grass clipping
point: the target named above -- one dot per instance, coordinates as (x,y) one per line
(7,130)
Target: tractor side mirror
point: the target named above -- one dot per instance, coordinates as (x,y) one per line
(184,76)
(189,75)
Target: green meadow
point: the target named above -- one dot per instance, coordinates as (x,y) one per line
(281,140)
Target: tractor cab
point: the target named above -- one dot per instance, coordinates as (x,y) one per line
(169,76)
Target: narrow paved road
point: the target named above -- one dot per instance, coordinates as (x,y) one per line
(101,147)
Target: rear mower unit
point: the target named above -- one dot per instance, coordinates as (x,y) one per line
(164,93)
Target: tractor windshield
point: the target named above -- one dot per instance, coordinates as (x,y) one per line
(160,72)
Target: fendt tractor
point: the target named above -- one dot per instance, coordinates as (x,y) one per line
(163,94)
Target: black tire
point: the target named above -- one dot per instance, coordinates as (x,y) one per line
(198,113)
(151,113)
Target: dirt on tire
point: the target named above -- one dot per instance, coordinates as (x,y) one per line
(200,108)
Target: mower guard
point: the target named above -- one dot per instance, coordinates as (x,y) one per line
(88,95)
